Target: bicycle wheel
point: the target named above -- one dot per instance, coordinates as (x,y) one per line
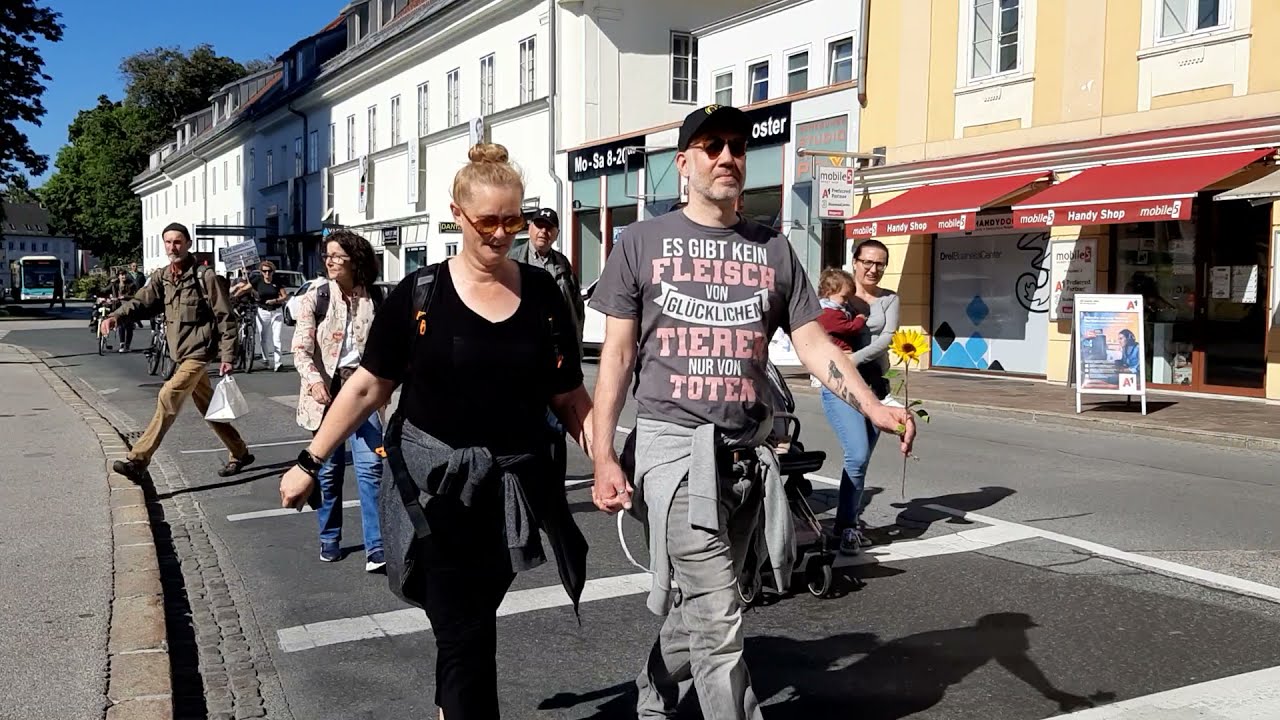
(102,344)
(250,334)
(154,358)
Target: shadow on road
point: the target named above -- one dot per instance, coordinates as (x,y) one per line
(263,472)
(873,680)
(917,517)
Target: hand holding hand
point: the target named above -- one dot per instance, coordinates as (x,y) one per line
(611,491)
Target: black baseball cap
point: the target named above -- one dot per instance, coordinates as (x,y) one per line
(548,215)
(709,118)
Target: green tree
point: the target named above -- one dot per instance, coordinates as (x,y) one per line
(19,191)
(89,197)
(167,84)
(22,23)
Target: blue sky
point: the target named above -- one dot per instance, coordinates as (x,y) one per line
(100,33)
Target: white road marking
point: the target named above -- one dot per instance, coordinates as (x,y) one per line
(413,620)
(1164,567)
(401,622)
(1251,696)
(258,445)
(238,517)
(108,391)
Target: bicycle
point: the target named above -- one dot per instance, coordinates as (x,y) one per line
(246,336)
(101,309)
(157,353)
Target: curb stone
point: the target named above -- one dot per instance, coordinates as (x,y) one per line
(138,685)
(208,616)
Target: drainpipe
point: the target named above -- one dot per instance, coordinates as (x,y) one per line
(553,103)
(306,153)
(864,43)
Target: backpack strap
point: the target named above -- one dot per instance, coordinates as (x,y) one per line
(322,302)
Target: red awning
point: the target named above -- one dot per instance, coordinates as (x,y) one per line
(941,208)
(1133,192)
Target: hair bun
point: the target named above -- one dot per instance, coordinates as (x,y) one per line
(488,153)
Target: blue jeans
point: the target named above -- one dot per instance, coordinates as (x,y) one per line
(858,438)
(368,466)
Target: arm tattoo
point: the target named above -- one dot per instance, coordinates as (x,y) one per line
(837,381)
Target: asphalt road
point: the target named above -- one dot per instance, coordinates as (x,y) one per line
(1028,610)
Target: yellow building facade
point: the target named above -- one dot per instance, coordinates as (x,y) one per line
(1020,133)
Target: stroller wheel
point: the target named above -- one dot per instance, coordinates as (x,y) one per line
(749,587)
(818,575)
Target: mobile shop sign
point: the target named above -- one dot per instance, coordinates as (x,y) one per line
(1104,213)
(606,158)
(835,192)
(1073,270)
(950,222)
(1110,346)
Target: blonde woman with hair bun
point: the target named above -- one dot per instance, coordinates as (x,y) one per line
(482,357)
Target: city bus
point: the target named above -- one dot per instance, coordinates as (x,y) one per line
(35,277)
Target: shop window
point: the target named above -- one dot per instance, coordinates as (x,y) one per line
(1158,262)
(684,68)
(1180,18)
(590,249)
(414,258)
(758,82)
(994,37)
(797,73)
(724,89)
(990,305)
(763,205)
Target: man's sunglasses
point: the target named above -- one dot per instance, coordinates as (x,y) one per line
(489,224)
(715,146)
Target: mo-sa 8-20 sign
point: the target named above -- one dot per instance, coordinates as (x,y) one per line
(607,158)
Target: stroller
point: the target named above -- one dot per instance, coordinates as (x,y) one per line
(814,550)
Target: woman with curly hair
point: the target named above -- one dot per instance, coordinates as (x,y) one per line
(328,343)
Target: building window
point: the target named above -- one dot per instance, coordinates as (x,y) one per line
(215,180)
(226,176)
(237,217)
(840,61)
(797,73)
(450,249)
(351,137)
(253,166)
(237,171)
(423,127)
(395,121)
(486,85)
(313,151)
(333,143)
(758,82)
(528,75)
(44,247)
(453,110)
(297,157)
(253,217)
(684,67)
(995,38)
(271,170)
(1179,18)
(724,89)
(373,129)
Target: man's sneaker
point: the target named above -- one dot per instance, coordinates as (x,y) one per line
(850,542)
(131,469)
(329,552)
(375,562)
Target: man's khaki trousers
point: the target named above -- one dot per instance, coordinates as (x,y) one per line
(190,378)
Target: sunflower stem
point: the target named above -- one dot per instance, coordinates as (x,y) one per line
(906,394)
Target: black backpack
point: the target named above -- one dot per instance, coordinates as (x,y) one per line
(322,301)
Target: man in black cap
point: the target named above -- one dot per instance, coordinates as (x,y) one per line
(694,297)
(544,230)
(200,328)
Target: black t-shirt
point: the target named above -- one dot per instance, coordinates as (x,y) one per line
(264,291)
(477,383)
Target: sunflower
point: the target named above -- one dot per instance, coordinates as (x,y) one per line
(909,345)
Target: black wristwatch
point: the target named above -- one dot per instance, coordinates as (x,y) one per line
(309,463)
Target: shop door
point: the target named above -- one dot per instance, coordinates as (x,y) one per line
(1204,287)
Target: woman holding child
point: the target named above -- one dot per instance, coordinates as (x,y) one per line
(861,317)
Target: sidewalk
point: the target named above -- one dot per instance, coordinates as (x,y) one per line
(81,608)
(56,564)
(1250,424)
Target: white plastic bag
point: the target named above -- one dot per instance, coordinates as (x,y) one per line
(228,403)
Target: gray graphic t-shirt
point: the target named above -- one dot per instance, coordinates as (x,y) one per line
(708,300)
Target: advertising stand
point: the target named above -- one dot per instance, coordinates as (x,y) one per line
(1109,347)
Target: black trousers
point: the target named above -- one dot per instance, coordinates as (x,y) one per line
(466,572)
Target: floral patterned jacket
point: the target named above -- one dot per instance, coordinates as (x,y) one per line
(316,346)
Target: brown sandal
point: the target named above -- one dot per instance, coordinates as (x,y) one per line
(233,467)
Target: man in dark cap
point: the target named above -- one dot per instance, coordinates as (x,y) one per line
(200,327)
(544,230)
(694,297)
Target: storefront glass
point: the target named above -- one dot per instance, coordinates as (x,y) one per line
(1158,262)
(414,258)
(590,249)
(990,302)
(763,205)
